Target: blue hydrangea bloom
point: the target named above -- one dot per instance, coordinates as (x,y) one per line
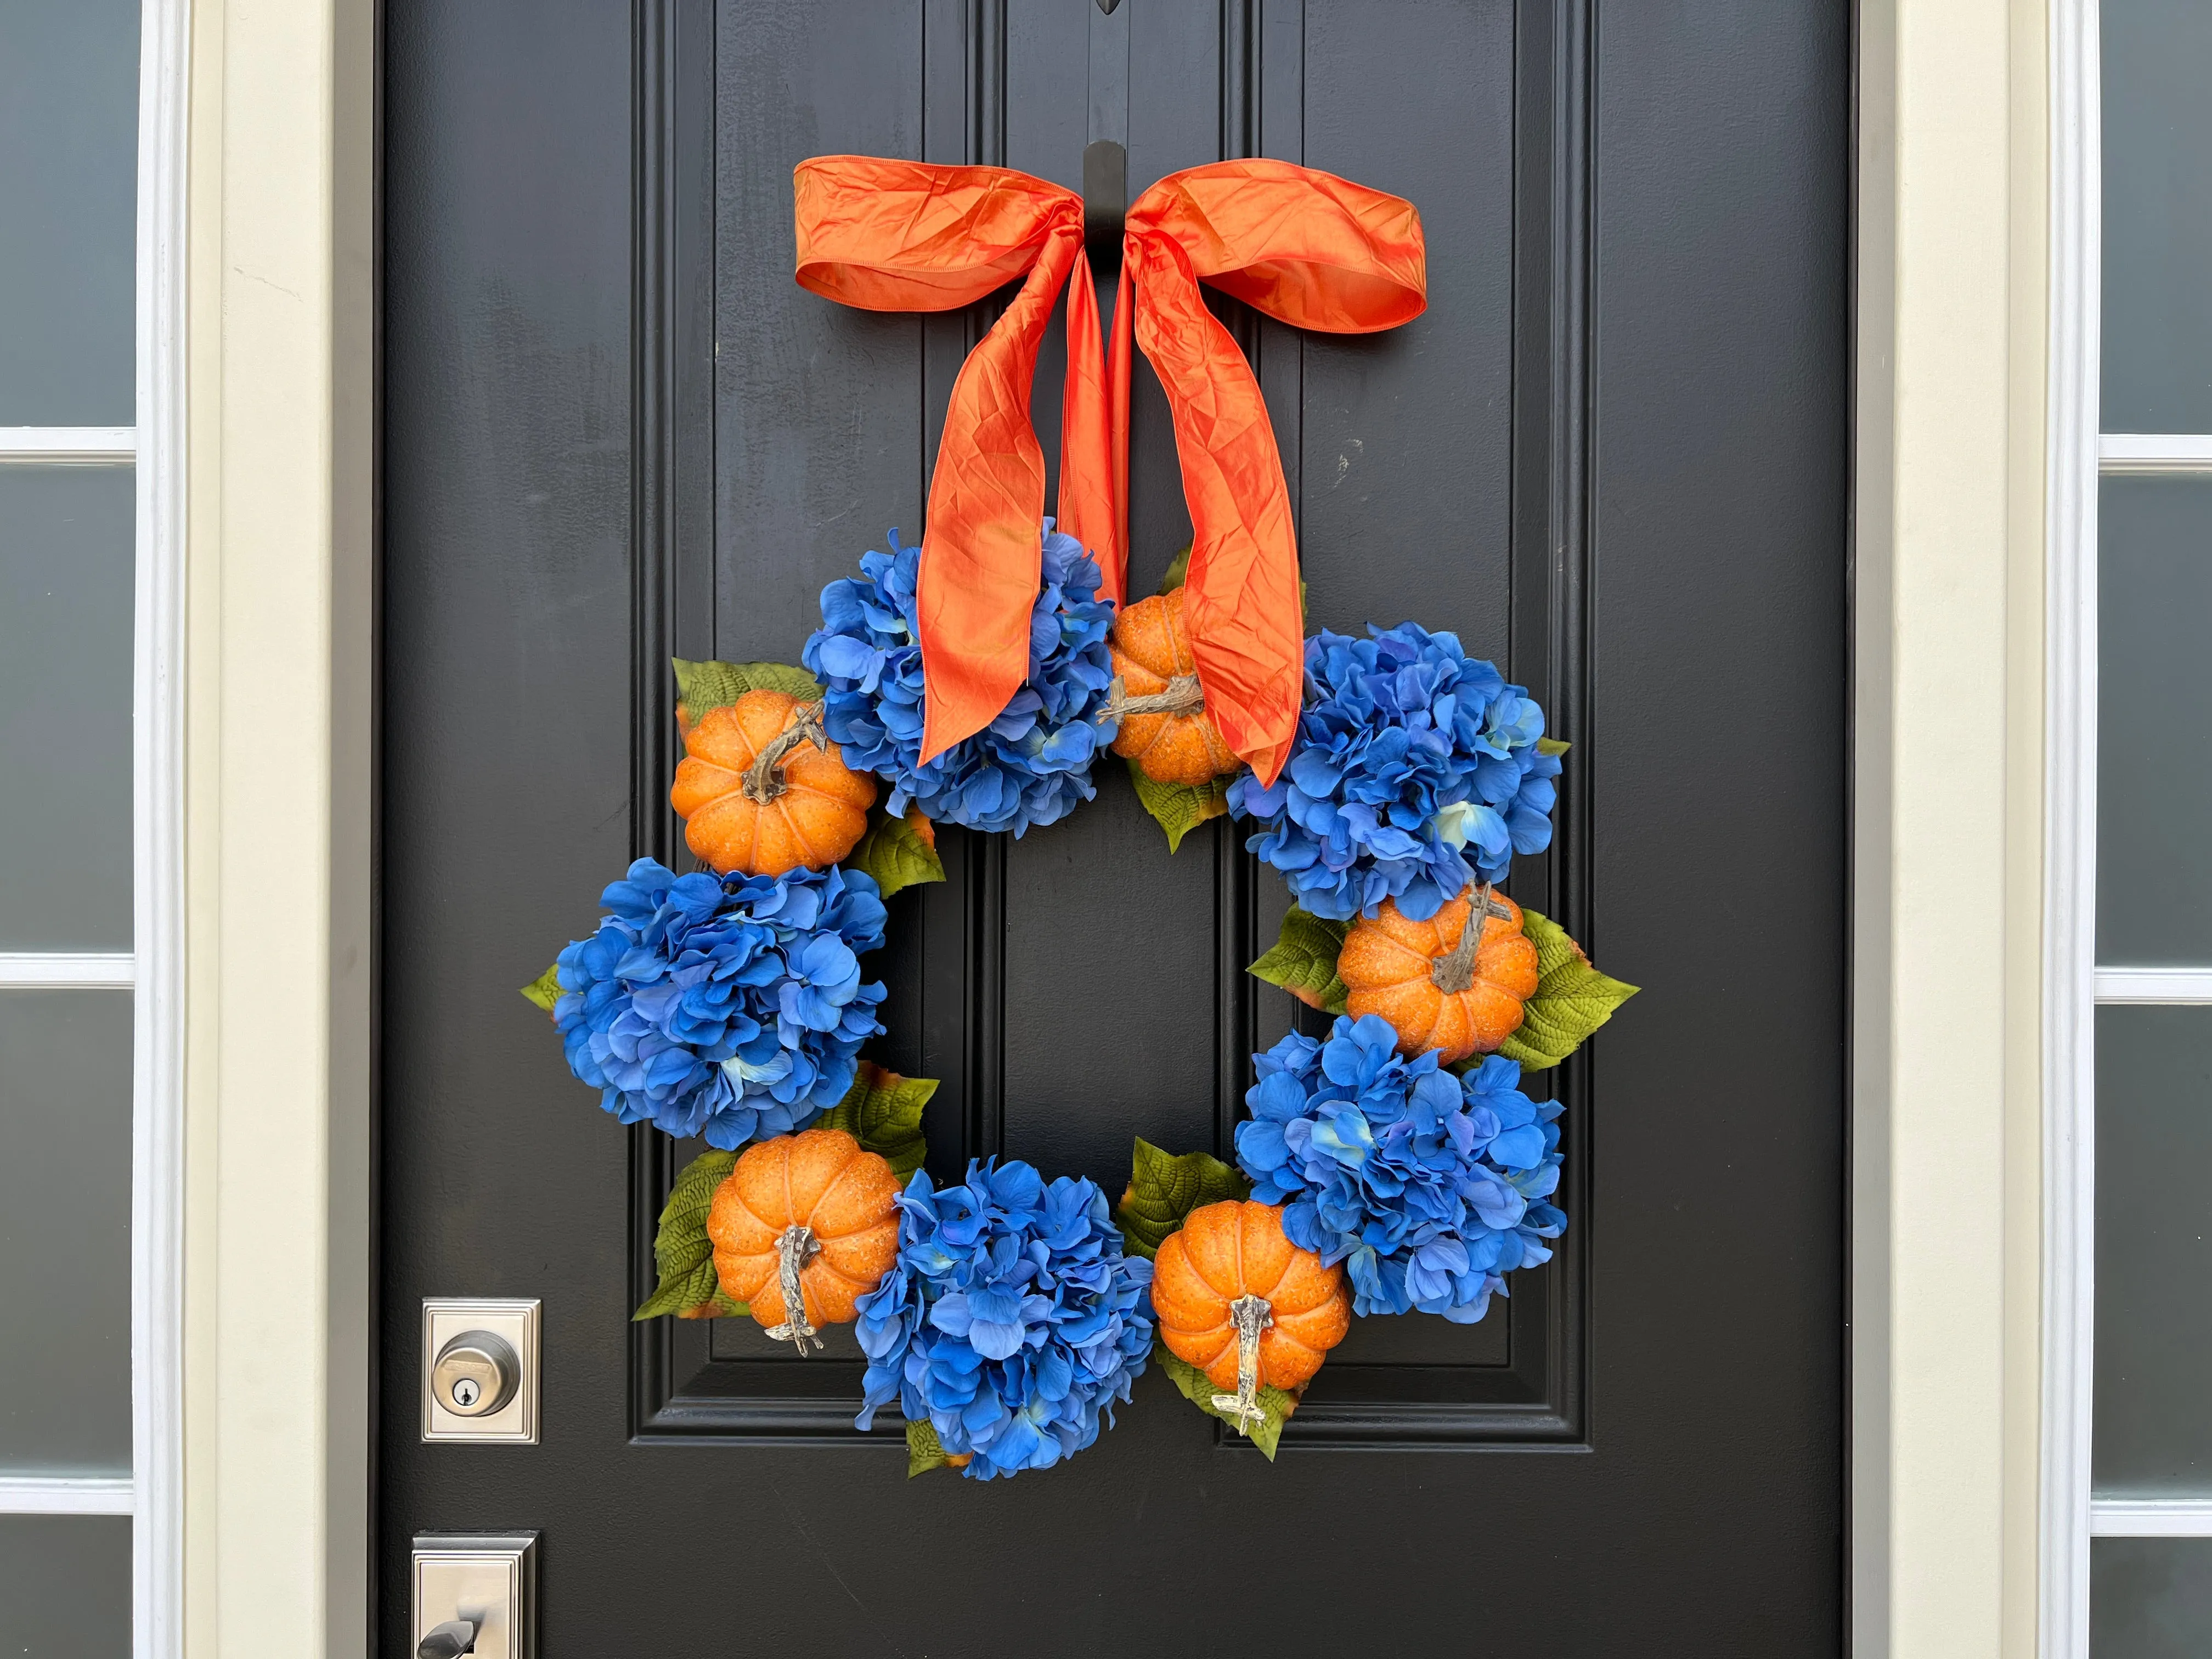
(1412,760)
(1030,766)
(1011,1319)
(1430,1187)
(727,1007)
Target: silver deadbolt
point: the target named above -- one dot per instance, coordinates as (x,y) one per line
(479,1377)
(475,1374)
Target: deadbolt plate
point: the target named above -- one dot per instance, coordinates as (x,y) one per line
(490,1325)
(488,1578)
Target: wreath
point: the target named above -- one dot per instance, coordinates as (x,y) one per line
(1394,1166)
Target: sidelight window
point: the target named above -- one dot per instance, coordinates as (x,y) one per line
(2140,1153)
(90,177)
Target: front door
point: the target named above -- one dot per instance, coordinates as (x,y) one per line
(1612,455)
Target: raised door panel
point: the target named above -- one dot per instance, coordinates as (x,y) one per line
(1078,987)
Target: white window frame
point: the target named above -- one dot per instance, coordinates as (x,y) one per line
(2069,779)
(153,1493)
(2074,984)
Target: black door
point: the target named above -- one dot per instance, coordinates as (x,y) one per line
(1612,455)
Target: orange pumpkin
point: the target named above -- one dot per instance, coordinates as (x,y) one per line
(810,1213)
(1164,727)
(1439,986)
(763,791)
(1235,1297)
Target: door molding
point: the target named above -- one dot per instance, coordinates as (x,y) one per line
(680,1390)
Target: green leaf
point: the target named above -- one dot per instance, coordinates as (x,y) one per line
(545,990)
(1303,960)
(1200,1392)
(1179,807)
(925,1451)
(1164,1189)
(1552,746)
(895,855)
(682,1251)
(1572,999)
(701,686)
(882,1111)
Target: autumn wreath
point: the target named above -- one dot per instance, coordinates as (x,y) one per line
(1393,1165)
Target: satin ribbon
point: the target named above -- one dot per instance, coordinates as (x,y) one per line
(1303,246)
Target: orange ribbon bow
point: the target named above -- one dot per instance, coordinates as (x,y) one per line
(1303,246)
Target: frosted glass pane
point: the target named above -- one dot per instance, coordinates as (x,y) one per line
(69,161)
(2150,1598)
(2158,216)
(2154,722)
(64,1232)
(2154,1372)
(65,1586)
(66,536)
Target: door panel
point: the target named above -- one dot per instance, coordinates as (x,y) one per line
(1611,455)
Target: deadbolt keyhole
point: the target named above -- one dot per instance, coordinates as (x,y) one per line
(475,1374)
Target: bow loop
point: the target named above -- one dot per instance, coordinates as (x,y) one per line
(1304,246)
(886,235)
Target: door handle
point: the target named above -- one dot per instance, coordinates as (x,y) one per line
(449,1641)
(475,1594)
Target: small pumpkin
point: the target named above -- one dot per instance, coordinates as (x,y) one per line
(1164,727)
(1235,1297)
(761,790)
(1440,984)
(810,1217)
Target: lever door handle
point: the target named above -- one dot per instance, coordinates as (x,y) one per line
(475,1594)
(449,1640)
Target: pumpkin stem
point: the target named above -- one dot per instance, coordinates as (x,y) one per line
(764,780)
(792,1250)
(1183,698)
(1250,1314)
(1454,971)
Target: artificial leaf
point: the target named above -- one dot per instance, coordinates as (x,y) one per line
(897,855)
(1163,1189)
(925,1451)
(882,1111)
(1572,999)
(682,1253)
(1552,746)
(1199,1391)
(1303,960)
(701,686)
(1179,807)
(545,990)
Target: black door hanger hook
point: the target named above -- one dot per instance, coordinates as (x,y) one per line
(1105,201)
